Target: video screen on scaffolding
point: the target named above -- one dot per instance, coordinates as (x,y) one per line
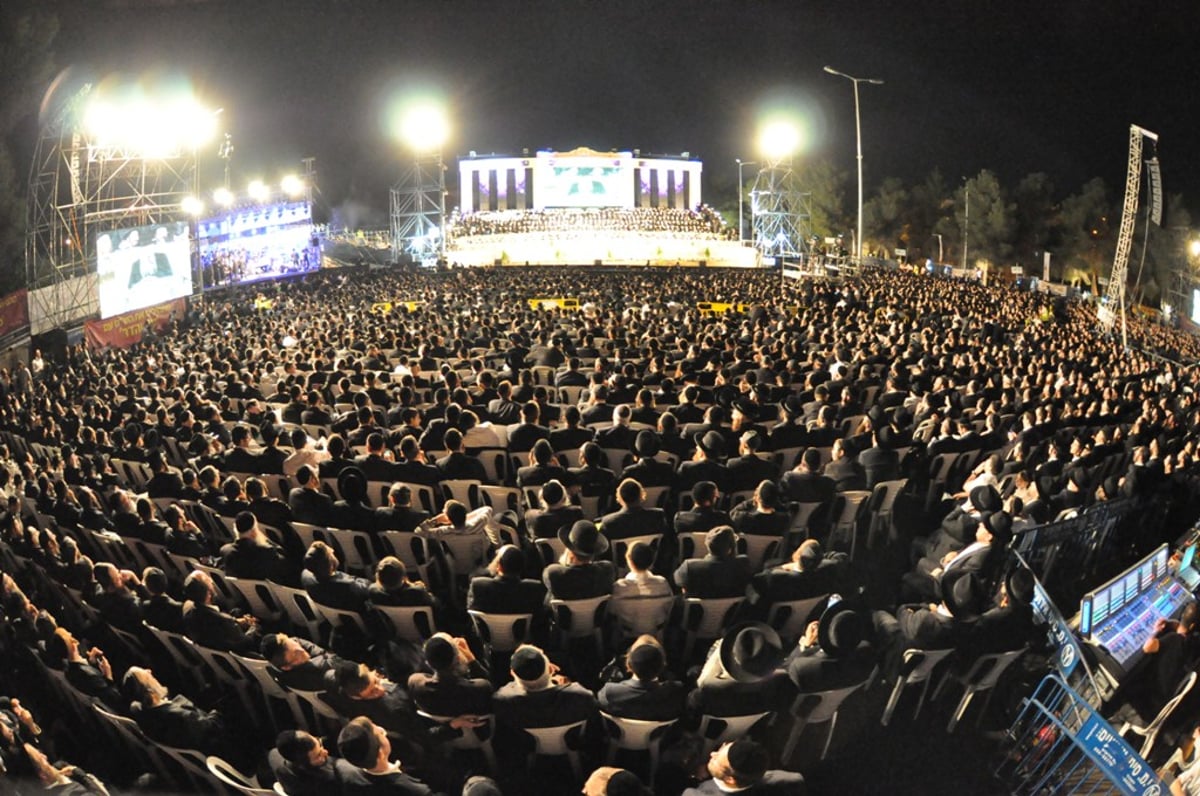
(142,266)
(249,244)
(579,182)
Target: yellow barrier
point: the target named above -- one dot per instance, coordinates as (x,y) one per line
(553,303)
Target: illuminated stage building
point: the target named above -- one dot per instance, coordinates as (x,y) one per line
(583,207)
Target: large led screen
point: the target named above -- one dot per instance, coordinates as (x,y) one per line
(584,182)
(142,266)
(252,243)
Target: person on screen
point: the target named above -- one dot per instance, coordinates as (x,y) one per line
(131,242)
(162,262)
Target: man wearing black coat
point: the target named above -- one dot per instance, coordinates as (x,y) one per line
(719,574)
(308,503)
(644,695)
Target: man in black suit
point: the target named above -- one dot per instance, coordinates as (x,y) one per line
(846,473)
(805,483)
(253,555)
(832,653)
(810,573)
(543,466)
(239,458)
(165,482)
(366,745)
(523,435)
(880,462)
(719,574)
(269,510)
(301,663)
(307,502)
(584,574)
(398,514)
(704,514)
(633,518)
(159,609)
(538,696)
(372,463)
(788,433)
(573,435)
(411,467)
(457,465)
(458,686)
(742,766)
(503,590)
(647,470)
(706,466)
(762,514)
(314,414)
(556,512)
(503,410)
(175,721)
(304,767)
(645,695)
(747,469)
(206,625)
(619,435)
(571,376)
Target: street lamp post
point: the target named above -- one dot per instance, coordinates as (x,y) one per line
(858,136)
(966,218)
(742,196)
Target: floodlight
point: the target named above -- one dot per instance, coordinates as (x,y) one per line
(152,125)
(779,139)
(192,205)
(1194,248)
(258,191)
(424,127)
(223,197)
(292,185)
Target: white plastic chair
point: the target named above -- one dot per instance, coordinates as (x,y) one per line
(981,677)
(636,735)
(1149,733)
(919,666)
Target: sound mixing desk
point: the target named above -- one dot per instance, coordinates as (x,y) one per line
(1117,618)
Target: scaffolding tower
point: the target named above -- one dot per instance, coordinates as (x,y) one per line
(1120,268)
(78,189)
(418,211)
(780,212)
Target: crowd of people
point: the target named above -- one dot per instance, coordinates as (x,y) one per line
(701,221)
(665,497)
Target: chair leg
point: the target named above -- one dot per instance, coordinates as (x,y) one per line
(987,700)
(829,736)
(792,741)
(961,711)
(937,692)
(576,768)
(893,700)
(921,700)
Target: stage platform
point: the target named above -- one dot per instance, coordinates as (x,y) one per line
(605,247)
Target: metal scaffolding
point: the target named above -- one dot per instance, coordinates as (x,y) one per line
(1120,269)
(78,189)
(418,211)
(780,212)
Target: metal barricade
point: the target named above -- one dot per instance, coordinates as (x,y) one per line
(1059,745)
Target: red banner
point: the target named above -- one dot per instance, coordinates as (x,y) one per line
(14,311)
(123,331)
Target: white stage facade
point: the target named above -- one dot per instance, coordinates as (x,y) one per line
(585,207)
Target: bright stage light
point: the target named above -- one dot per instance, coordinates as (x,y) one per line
(1194,248)
(150,124)
(779,139)
(292,185)
(192,205)
(423,127)
(223,197)
(258,191)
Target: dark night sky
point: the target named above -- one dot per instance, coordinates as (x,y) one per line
(1015,87)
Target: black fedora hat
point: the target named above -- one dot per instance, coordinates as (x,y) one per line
(840,629)
(962,591)
(646,444)
(1019,584)
(711,442)
(583,539)
(750,651)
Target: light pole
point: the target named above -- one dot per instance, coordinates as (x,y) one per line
(939,237)
(858,136)
(742,195)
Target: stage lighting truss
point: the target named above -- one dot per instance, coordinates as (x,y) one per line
(418,210)
(780,212)
(78,188)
